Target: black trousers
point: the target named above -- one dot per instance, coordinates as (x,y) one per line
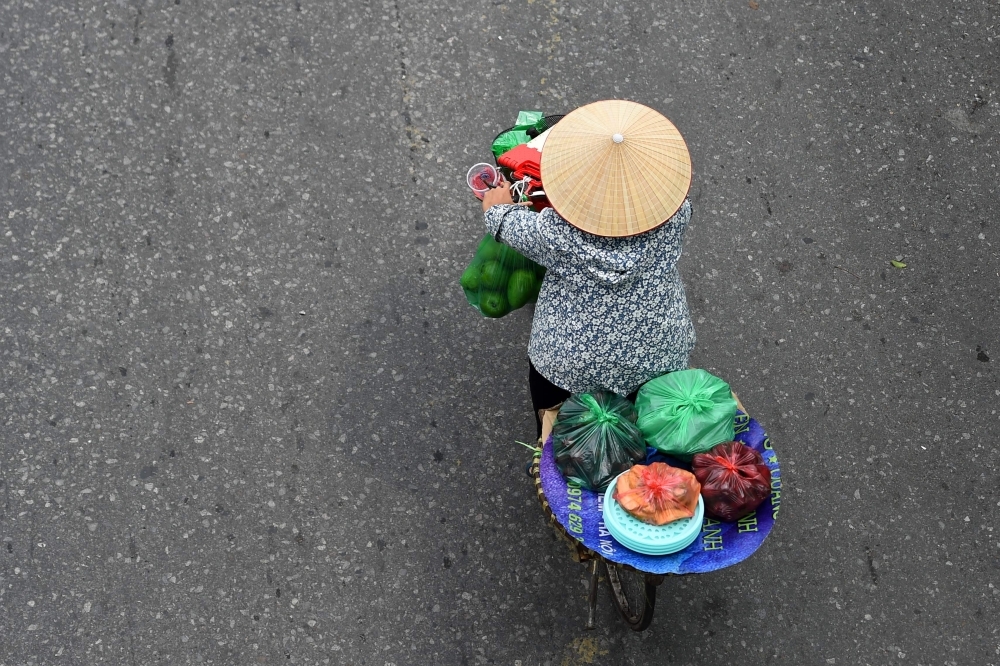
(545,394)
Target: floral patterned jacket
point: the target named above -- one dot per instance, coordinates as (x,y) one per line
(612,313)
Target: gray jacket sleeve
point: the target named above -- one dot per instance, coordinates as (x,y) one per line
(537,236)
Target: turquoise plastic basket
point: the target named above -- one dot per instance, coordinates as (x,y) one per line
(647,539)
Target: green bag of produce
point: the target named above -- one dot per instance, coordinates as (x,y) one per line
(595,439)
(518,134)
(686,412)
(500,279)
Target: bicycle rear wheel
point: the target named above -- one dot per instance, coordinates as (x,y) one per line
(633,594)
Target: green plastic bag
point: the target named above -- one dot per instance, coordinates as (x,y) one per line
(526,119)
(595,439)
(500,279)
(518,134)
(686,412)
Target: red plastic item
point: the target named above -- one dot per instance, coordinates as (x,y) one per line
(734,480)
(524,161)
(657,493)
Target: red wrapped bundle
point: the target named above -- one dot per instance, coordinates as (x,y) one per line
(658,493)
(734,480)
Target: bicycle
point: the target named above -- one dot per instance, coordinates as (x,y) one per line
(633,591)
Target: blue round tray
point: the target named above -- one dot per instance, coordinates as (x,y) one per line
(718,545)
(645,538)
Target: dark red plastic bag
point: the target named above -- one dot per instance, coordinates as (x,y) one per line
(734,480)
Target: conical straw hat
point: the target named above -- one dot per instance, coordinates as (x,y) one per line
(615,168)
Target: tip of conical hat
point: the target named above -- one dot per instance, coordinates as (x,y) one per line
(615,168)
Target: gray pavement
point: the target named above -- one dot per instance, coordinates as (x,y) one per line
(248,418)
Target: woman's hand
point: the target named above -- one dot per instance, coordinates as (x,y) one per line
(499,196)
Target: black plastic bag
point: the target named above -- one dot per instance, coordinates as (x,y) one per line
(595,439)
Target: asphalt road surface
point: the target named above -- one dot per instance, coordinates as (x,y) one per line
(248,417)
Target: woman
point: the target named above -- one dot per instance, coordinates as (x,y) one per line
(612,313)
